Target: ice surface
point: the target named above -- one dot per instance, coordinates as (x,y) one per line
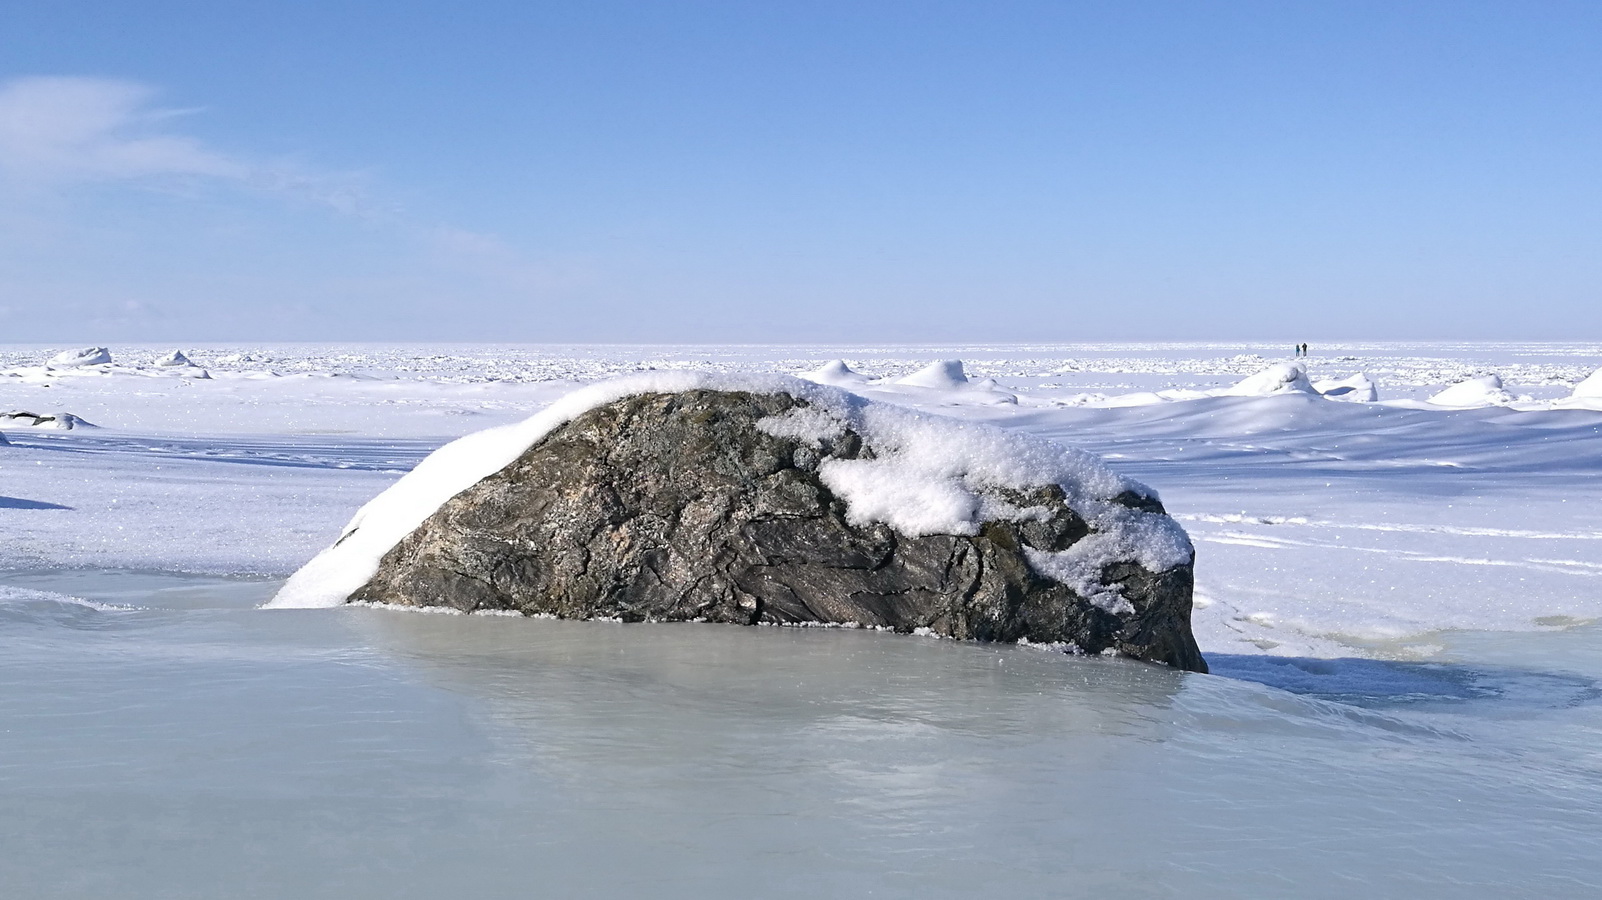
(164,739)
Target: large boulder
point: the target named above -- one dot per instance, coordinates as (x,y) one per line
(799,506)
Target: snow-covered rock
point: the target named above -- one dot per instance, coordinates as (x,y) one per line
(1279,378)
(1484,390)
(87,356)
(1358,388)
(812,505)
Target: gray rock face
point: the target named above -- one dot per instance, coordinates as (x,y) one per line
(678,507)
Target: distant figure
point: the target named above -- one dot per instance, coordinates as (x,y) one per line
(1304,349)
(1296,349)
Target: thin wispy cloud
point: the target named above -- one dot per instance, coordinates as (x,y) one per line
(59,135)
(72,129)
(57,131)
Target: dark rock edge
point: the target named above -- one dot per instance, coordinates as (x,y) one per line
(675,507)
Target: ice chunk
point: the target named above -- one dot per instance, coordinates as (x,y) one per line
(175,358)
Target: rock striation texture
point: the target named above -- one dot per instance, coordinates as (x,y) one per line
(692,506)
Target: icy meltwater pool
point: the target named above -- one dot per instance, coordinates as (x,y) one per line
(161,737)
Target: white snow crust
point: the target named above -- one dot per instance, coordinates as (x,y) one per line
(928,476)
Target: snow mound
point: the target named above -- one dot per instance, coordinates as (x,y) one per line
(992,386)
(175,358)
(87,356)
(1358,389)
(1280,378)
(929,475)
(1486,390)
(944,375)
(1590,388)
(57,421)
(837,373)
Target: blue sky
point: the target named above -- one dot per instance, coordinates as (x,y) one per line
(819,171)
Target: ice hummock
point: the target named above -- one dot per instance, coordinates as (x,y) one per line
(1484,390)
(836,372)
(928,476)
(946,375)
(1590,388)
(1359,388)
(175,358)
(1280,378)
(86,356)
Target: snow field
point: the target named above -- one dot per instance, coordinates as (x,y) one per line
(1321,528)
